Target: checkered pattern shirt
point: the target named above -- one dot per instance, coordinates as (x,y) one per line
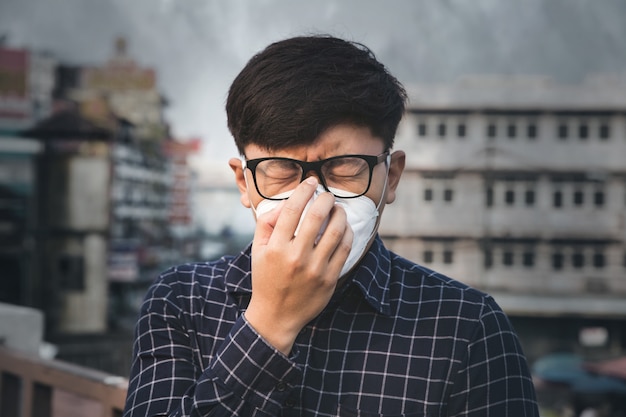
(396,340)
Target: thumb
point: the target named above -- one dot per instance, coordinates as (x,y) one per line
(265,224)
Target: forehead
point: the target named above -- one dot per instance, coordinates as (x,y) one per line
(338,140)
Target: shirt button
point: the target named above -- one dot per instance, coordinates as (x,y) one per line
(290,402)
(281,386)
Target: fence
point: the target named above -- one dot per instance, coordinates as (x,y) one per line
(35,387)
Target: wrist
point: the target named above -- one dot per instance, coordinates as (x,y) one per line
(273,331)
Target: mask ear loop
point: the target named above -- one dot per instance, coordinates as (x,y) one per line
(382,196)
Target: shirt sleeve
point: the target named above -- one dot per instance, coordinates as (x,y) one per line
(246,376)
(494,380)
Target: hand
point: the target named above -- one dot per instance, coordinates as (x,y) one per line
(293,278)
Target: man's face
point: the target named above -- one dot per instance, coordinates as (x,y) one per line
(340,140)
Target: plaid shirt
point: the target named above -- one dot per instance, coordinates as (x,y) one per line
(397,340)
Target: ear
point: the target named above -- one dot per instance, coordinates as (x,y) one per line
(235,165)
(396,166)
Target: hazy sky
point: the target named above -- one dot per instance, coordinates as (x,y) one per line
(198,46)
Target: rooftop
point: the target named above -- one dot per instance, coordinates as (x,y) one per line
(602,92)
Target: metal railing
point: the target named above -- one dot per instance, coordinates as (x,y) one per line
(34,387)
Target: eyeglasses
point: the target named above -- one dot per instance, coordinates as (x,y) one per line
(345,176)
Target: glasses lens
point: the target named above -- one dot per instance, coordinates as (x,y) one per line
(277,176)
(346,176)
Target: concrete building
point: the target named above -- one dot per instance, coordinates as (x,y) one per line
(18,220)
(225,224)
(95,198)
(103,232)
(120,86)
(518,187)
(73,221)
(105,221)
(26,84)
(110,147)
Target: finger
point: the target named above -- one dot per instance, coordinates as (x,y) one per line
(334,233)
(342,250)
(315,219)
(293,207)
(265,224)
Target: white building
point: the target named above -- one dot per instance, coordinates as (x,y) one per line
(518,187)
(26,84)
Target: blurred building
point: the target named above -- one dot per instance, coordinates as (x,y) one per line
(121,86)
(518,187)
(95,198)
(26,85)
(18,219)
(74,178)
(226,225)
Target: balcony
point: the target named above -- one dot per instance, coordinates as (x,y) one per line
(32,386)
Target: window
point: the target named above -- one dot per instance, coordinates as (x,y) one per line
(557,260)
(507,257)
(578,259)
(579,197)
(583,131)
(557,198)
(605,131)
(529,197)
(428,256)
(428,194)
(491,130)
(511,130)
(448,256)
(509,197)
(598,260)
(441,130)
(71,270)
(528,258)
(531,130)
(448,194)
(488,261)
(562,131)
(461,130)
(489,197)
(598,198)
(422,129)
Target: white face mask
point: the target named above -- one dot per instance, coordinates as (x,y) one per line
(361,215)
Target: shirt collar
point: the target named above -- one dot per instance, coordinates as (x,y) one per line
(371,276)
(237,277)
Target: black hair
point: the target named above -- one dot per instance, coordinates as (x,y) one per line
(295,89)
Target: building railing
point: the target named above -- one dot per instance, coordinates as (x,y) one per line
(34,387)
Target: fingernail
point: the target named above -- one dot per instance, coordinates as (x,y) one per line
(311,180)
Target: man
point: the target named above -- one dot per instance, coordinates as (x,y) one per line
(317,317)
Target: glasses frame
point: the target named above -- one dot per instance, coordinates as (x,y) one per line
(316,166)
